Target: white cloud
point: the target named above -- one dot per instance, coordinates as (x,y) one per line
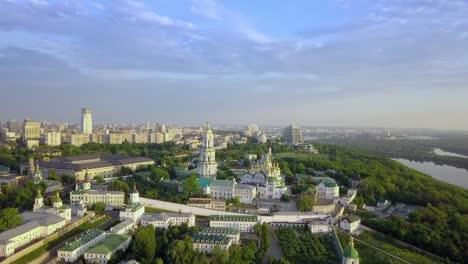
(206,8)
(140,74)
(289,76)
(39,2)
(138,11)
(253,35)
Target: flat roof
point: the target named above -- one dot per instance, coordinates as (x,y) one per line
(220,230)
(122,225)
(109,244)
(91,161)
(234,218)
(30,221)
(223,183)
(164,216)
(210,239)
(83,239)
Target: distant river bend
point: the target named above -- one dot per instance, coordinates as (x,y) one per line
(444,173)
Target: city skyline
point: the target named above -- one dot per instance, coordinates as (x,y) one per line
(341,63)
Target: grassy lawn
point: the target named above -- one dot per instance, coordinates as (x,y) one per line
(41,250)
(391,248)
(301,246)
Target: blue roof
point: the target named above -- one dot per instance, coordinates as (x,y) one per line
(204,182)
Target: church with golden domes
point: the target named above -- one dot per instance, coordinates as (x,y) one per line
(266,176)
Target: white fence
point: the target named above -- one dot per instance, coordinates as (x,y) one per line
(280,217)
(175,207)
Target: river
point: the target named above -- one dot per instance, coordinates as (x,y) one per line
(444,173)
(441,152)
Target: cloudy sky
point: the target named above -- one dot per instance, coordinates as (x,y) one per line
(398,63)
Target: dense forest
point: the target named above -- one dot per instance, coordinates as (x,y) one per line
(411,149)
(441,227)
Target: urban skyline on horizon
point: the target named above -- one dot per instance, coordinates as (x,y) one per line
(340,63)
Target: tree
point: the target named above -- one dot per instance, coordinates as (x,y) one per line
(234,201)
(181,252)
(99,180)
(219,256)
(159,173)
(284,198)
(9,218)
(53,175)
(99,207)
(306,201)
(119,185)
(126,171)
(144,244)
(279,261)
(191,185)
(67,179)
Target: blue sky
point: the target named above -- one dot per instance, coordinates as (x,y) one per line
(398,63)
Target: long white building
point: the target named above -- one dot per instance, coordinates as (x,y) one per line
(94,165)
(242,223)
(33,227)
(103,251)
(206,243)
(74,249)
(165,220)
(227,189)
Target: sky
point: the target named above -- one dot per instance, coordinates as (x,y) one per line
(369,63)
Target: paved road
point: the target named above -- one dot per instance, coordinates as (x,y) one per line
(275,249)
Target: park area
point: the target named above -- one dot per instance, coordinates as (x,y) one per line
(300,246)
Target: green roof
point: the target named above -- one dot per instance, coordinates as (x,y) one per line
(234,218)
(204,182)
(4,168)
(108,245)
(210,239)
(350,252)
(135,206)
(81,240)
(57,198)
(329,182)
(220,230)
(222,183)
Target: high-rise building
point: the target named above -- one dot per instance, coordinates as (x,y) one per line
(207,166)
(86,121)
(252,129)
(13,126)
(293,135)
(31,131)
(53,139)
